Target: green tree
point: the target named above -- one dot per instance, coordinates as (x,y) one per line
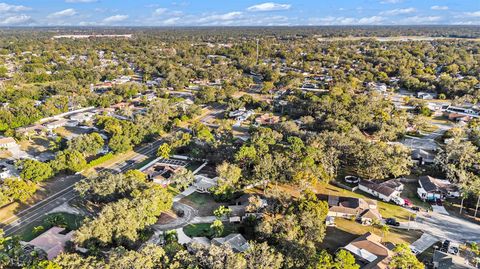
(403,258)
(164,151)
(35,171)
(217,227)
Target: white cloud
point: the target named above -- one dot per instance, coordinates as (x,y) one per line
(346,20)
(420,20)
(16,20)
(371,20)
(439,8)
(398,11)
(170,21)
(4,7)
(269,6)
(472,14)
(63,13)
(220,17)
(115,18)
(391,1)
(160,11)
(81,1)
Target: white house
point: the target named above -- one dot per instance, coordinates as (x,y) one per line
(433,189)
(56,124)
(385,191)
(204,184)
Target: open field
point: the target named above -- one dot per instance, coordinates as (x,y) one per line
(204,203)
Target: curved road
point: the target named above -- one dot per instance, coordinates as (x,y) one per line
(189,214)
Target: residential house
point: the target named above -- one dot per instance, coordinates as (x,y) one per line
(241,114)
(353,208)
(161,173)
(242,209)
(426,95)
(7,143)
(82,117)
(267,119)
(442,260)
(422,157)
(55,124)
(386,191)
(204,184)
(432,189)
(52,241)
(369,252)
(236,242)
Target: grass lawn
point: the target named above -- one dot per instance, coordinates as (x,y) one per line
(203,202)
(394,235)
(70,222)
(203,230)
(410,192)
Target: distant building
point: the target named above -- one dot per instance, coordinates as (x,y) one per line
(426,95)
(52,241)
(267,119)
(369,252)
(55,124)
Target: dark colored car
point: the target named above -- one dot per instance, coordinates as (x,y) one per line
(415,208)
(392,222)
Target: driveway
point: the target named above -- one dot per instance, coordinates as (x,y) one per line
(440,209)
(424,242)
(188,214)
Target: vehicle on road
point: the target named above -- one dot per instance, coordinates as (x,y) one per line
(414,250)
(408,203)
(416,208)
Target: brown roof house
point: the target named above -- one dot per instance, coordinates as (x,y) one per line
(161,173)
(386,191)
(52,241)
(369,252)
(433,188)
(351,207)
(267,119)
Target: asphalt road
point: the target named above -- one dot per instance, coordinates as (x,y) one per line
(23,218)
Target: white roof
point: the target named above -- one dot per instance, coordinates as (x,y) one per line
(361,253)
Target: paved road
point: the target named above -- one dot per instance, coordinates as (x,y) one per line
(38,210)
(445,227)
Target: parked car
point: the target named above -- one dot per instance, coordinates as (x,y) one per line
(392,222)
(408,203)
(352,179)
(415,208)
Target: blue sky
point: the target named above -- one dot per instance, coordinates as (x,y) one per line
(236,12)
